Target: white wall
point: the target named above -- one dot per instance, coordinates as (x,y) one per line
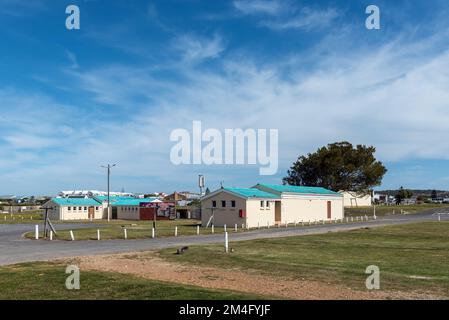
(352,199)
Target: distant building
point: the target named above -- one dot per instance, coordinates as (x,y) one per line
(355,199)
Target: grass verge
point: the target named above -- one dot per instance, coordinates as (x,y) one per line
(410,257)
(44,280)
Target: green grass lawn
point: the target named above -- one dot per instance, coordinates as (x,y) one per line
(136,230)
(412,256)
(389,210)
(44,280)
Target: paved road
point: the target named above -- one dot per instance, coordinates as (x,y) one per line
(15,249)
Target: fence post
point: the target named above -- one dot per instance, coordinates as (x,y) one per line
(98,234)
(235,227)
(126,233)
(36,232)
(226,243)
(197,230)
(72,236)
(152,233)
(51,235)
(176,231)
(439,217)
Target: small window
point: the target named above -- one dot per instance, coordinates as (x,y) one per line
(262,204)
(214,204)
(223,203)
(69,208)
(233,203)
(80,208)
(85,208)
(96,208)
(267,204)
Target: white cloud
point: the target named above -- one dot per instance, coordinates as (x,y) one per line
(258,6)
(307,19)
(194,48)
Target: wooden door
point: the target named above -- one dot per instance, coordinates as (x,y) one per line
(329,210)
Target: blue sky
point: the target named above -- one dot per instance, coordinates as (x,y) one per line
(113,91)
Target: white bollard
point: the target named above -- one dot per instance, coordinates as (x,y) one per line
(375,217)
(72,235)
(176,231)
(5,218)
(235,227)
(226,243)
(213,229)
(126,233)
(152,233)
(247,226)
(36,232)
(98,234)
(197,230)
(439,217)
(352,219)
(243,226)
(51,235)
(224,228)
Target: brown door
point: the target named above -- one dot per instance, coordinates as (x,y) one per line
(329,210)
(91,212)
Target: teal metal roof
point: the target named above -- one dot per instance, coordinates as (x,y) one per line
(252,193)
(130,201)
(300,189)
(76,201)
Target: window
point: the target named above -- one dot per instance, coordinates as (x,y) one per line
(214,204)
(96,208)
(80,208)
(85,208)
(262,204)
(267,204)
(233,203)
(223,203)
(69,208)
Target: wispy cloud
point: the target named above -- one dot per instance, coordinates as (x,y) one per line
(280,15)
(306,19)
(194,48)
(258,6)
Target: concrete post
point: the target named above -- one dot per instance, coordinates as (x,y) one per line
(152,233)
(72,236)
(126,234)
(51,235)
(226,243)
(36,232)
(98,234)
(197,230)
(176,231)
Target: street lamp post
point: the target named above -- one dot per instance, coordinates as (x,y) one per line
(109,199)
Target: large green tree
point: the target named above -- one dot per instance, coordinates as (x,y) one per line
(338,166)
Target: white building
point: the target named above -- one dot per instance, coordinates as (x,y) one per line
(354,199)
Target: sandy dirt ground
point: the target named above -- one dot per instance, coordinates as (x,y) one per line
(150,266)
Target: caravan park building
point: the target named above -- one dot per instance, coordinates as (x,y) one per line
(267,204)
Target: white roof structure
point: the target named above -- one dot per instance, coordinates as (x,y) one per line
(91,193)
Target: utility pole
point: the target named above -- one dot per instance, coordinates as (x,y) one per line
(108,167)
